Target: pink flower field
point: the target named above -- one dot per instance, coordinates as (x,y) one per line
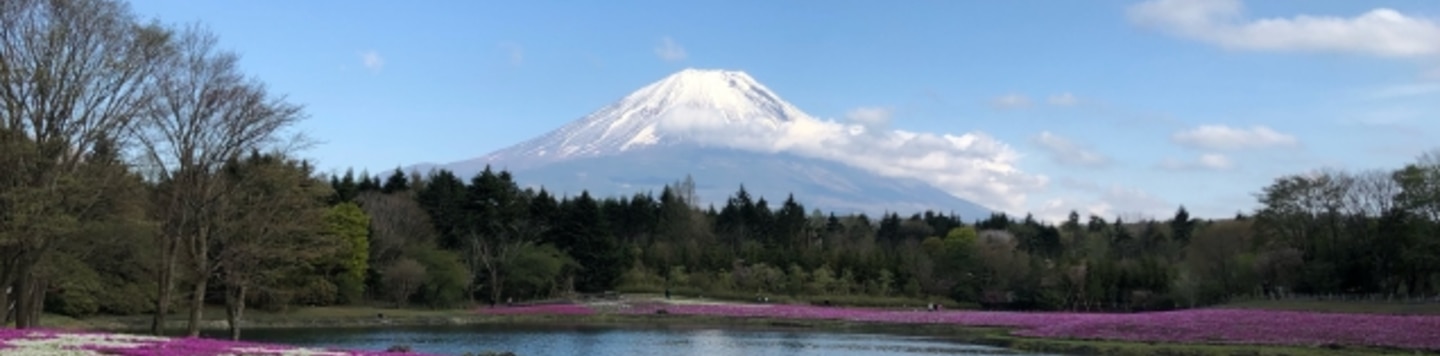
(1189,326)
(52,342)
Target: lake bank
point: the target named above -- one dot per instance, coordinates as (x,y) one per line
(628,315)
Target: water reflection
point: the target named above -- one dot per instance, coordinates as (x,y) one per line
(598,341)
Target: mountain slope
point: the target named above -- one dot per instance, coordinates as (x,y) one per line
(722,127)
(719,172)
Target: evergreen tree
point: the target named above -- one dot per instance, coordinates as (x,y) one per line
(586,237)
(397,182)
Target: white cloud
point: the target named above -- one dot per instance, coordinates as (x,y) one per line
(372,61)
(1391,117)
(670,51)
(1132,204)
(515,52)
(1208,161)
(1405,91)
(873,117)
(1380,32)
(1066,152)
(1064,99)
(973,165)
(1215,161)
(1221,137)
(1011,101)
(1433,74)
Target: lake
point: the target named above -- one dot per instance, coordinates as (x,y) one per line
(532,340)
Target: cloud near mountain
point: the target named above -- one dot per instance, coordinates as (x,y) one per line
(729,109)
(971,165)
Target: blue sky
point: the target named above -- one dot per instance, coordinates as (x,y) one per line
(1119,106)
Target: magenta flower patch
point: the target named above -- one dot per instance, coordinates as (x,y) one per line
(1239,326)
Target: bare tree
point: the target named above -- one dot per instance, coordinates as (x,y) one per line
(73,73)
(497,254)
(403,278)
(396,221)
(204,113)
(1371,194)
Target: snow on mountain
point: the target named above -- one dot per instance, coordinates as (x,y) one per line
(695,121)
(676,109)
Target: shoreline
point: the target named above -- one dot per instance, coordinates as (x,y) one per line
(354,318)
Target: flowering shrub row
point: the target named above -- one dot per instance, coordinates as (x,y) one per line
(53,342)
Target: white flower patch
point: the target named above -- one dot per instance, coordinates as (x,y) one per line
(243,351)
(72,344)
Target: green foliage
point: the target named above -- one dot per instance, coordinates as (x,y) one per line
(594,248)
(79,292)
(402,278)
(537,269)
(446,278)
(347,222)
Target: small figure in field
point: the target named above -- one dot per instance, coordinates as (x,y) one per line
(667,293)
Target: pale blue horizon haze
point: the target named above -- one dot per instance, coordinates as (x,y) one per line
(1109,107)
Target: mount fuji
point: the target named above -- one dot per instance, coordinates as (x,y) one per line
(725,130)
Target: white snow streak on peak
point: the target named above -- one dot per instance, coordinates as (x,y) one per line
(729,92)
(680,108)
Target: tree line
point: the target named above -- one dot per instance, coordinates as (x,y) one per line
(1323,232)
(142,173)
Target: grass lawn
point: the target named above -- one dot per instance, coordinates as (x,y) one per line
(1360,307)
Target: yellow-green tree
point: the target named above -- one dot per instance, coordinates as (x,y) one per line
(348,223)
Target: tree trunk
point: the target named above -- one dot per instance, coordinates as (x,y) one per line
(494,284)
(200,255)
(8,303)
(24,288)
(166,286)
(234,309)
(37,301)
(197,307)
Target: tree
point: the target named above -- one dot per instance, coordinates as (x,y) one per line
(347,223)
(1181,226)
(1214,259)
(266,232)
(397,182)
(204,113)
(73,74)
(589,242)
(396,223)
(403,278)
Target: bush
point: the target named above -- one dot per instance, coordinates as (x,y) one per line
(445,277)
(318,292)
(126,298)
(77,294)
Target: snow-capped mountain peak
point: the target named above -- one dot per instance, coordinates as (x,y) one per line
(678,109)
(718,90)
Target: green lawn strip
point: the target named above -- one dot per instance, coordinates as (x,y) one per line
(1354,307)
(862,301)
